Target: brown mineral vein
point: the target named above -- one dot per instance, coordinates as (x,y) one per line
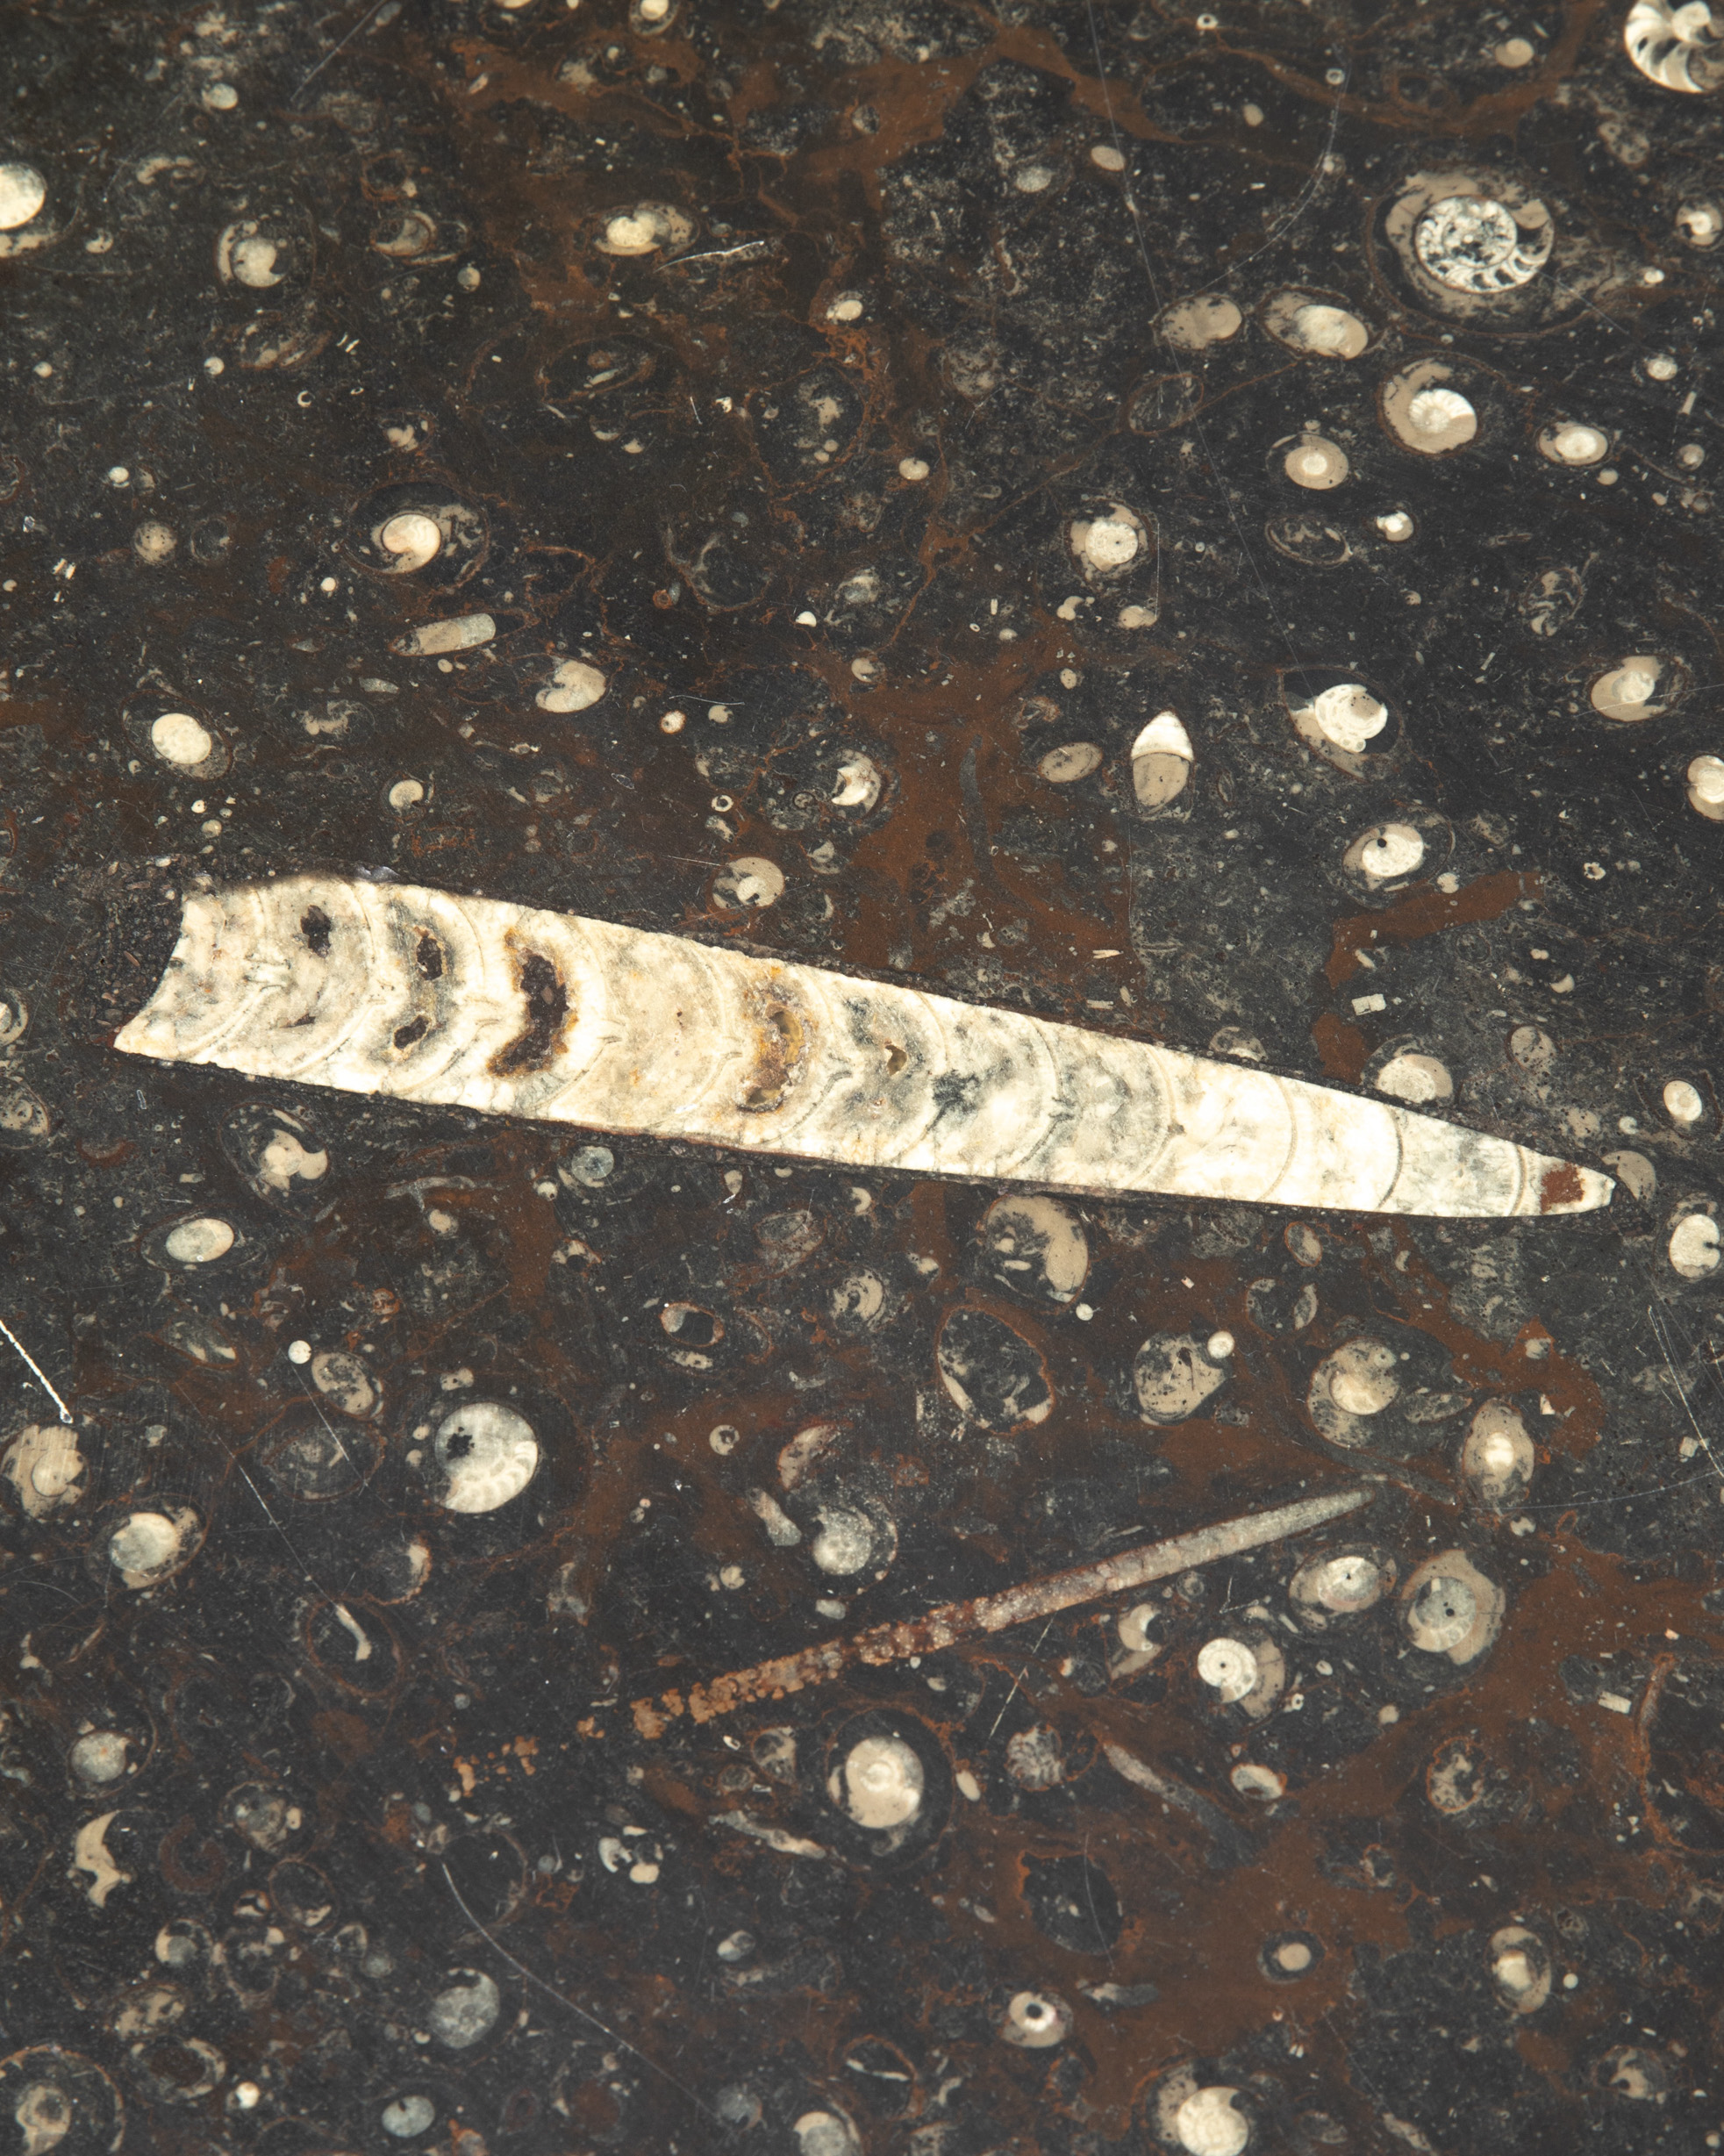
(952,1621)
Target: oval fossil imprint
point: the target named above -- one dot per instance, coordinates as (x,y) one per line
(427,996)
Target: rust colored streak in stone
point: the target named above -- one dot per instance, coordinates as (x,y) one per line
(1426,913)
(952,1621)
(1341,1048)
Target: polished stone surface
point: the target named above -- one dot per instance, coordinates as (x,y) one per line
(535,1641)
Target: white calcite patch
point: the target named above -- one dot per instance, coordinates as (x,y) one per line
(1161,761)
(486,1454)
(100,1757)
(153,542)
(1693,1248)
(825,2133)
(1249,1672)
(1473,244)
(178,738)
(199,1240)
(880,1783)
(23,193)
(1681,46)
(1174,1375)
(574,1020)
(466,2011)
(1415,1078)
(1395,524)
(575,686)
(1630,691)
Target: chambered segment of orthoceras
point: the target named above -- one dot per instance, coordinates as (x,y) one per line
(424,995)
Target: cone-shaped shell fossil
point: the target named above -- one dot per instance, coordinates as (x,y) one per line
(427,996)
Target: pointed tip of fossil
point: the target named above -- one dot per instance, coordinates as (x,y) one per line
(1564,1187)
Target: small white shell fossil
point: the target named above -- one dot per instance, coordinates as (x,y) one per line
(1315,462)
(1035,2020)
(1628,693)
(178,738)
(409,538)
(23,191)
(424,995)
(1315,326)
(644,229)
(880,1784)
(1071,761)
(1162,761)
(1448,1607)
(574,685)
(1472,243)
(1573,442)
(1498,1457)
(1209,2124)
(1386,853)
(1193,324)
(1424,414)
(1678,47)
(461,633)
(487,1455)
(1705,787)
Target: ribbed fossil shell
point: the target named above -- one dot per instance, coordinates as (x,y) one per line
(427,996)
(1679,47)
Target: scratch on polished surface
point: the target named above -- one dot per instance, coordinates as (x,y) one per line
(953,1622)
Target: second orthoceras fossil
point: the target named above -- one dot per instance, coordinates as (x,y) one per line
(425,995)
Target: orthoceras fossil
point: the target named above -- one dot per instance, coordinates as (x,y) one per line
(425,995)
(955,1622)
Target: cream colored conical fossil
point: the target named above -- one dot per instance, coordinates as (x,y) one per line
(424,995)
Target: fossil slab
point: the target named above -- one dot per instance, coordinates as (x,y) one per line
(425,995)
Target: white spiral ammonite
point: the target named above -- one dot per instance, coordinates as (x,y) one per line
(1678,47)
(424,995)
